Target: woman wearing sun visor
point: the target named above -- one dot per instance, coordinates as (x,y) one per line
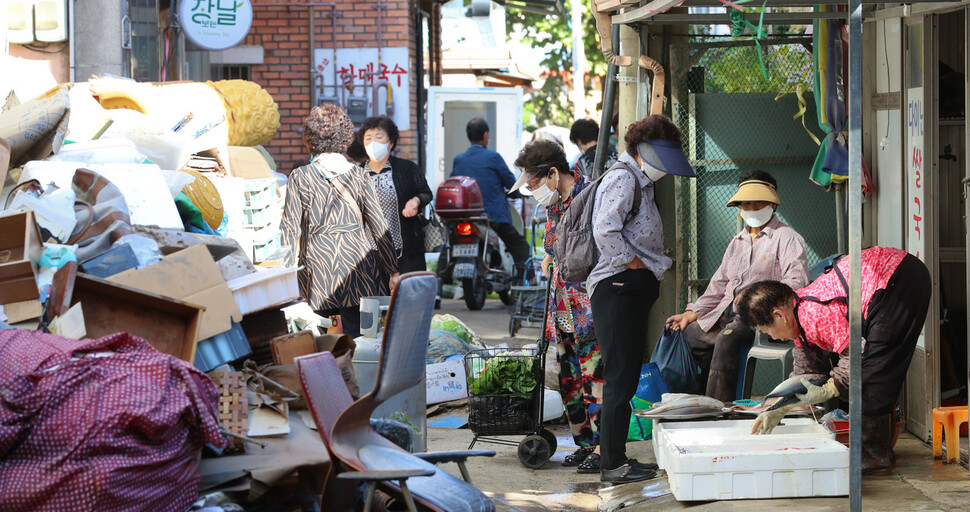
(765,249)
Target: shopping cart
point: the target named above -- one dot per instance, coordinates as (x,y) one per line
(516,409)
(528,299)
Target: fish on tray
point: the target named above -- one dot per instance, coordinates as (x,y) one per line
(672,402)
(787,390)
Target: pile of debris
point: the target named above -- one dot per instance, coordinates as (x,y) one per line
(145,305)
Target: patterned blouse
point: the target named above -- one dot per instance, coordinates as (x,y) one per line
(777,253)
(620,240)
(340,238)
(569,307)
(825,325)
(387,196)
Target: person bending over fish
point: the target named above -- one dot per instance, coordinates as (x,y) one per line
(896,292)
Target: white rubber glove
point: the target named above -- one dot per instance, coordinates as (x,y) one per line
(768,420)
(817,394)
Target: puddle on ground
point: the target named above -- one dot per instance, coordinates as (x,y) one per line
(637,492)
(589,496)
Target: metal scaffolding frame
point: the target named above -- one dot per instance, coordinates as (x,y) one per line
(655,12)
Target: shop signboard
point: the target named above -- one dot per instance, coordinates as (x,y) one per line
(366,82)
(215,24)
(917,211)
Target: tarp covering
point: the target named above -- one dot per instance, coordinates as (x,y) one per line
(100,425)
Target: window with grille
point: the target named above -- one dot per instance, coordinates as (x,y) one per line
(230,72)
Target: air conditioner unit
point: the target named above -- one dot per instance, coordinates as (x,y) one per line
(50,21)
(20,21)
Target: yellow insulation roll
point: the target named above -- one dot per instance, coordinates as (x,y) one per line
(252,114)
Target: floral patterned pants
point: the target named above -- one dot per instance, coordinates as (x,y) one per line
(581,385)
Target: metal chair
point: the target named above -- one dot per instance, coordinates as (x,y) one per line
(365,453)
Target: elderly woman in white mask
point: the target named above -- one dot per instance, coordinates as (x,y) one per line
(765,249)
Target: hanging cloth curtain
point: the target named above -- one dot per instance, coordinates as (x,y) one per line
(830,51)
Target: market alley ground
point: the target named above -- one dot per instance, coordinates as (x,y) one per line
(918,483)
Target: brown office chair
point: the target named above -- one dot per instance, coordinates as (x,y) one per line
(359,452)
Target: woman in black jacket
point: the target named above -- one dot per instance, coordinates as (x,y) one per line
(401,190)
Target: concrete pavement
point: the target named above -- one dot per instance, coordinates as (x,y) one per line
(918,483)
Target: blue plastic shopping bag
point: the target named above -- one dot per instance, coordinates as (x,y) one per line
(677,366)
(649,390)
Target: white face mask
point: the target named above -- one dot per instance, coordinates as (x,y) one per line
(652,172)
(545,195)
(377,151)
(757,218)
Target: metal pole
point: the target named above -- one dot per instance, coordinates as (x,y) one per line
(840,217)
(312,11)
(609,96)
(855,255)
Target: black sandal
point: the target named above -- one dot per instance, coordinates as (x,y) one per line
(577,457)
(590,465)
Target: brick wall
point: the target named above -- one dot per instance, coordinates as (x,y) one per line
(283,32)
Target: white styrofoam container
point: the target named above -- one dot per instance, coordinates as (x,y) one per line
(776,466)
(412,401)
(706,432)
(446,381)
(260,290)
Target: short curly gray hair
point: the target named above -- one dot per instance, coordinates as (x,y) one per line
(327,130)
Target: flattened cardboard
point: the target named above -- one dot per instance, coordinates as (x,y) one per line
(4,161)
(193,276)
(169,325)
(286,348)
(249,163)
(22,311)
(20,249)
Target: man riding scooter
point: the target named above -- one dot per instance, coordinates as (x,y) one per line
(494,180)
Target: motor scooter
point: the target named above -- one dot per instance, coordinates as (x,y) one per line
(474,255)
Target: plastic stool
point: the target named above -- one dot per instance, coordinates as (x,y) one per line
(762,349)
(947,421)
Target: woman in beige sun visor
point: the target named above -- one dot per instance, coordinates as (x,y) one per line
(765,248)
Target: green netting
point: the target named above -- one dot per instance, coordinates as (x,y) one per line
(733,121)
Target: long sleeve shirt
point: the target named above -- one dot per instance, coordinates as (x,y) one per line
(619,240)
(777,253)
(493,177)
(825,327)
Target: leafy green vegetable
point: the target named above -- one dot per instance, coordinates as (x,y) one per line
(504,375)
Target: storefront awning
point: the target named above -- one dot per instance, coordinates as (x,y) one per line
(777,12)
(535,6)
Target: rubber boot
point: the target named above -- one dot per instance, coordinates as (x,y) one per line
(877,438)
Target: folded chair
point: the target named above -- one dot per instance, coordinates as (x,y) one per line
(359,453)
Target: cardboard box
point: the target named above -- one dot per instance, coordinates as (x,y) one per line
(193,276)
(17,312)
(446,382)
(20,249)
(249,163)
(169,325)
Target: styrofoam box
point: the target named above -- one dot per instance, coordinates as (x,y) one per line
(445,381)
(261,290)
(775,466)
(706,432)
